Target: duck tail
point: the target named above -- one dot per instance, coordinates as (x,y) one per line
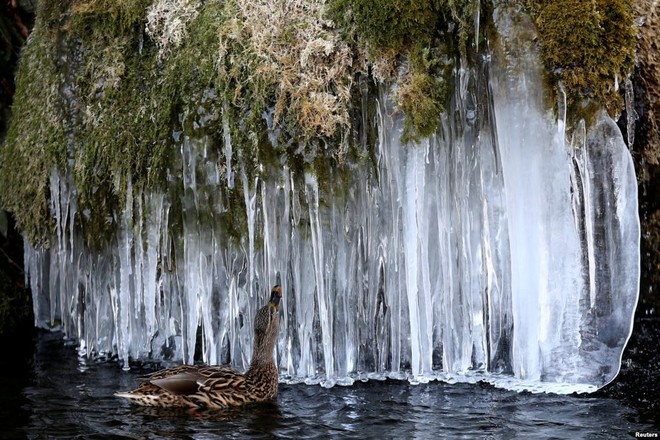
(162,400)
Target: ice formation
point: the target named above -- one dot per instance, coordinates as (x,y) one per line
(497,250)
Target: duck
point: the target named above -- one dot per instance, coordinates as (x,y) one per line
(215,387)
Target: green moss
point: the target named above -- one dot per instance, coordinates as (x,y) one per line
(419,100)
(53,15)
(125,122)
(35,137)
(400,25)
(585,46)
(107,17)
(388,24)
(462,13)
(103,104)
(424,34)
(423,93)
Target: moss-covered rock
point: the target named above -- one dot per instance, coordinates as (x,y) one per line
(588,48)
(36,137)
(107,17)
(415,44)
(108,90)
(389,24)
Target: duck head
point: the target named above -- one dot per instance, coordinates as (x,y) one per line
(266,327)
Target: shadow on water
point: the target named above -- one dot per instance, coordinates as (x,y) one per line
(52,393)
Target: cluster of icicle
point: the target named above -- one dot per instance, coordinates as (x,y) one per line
(496,250)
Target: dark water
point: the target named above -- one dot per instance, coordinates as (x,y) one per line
(51,393)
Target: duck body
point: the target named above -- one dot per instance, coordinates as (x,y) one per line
(201,386)
(204,387)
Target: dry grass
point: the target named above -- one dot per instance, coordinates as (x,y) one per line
(167,21)
(299,54)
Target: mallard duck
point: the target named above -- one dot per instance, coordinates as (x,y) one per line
(196,386)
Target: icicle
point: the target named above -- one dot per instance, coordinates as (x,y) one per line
(323,302)
(125,293)
(561,118)
(616,82)
(228,146)
(250,198)
(476,20)
(631,114)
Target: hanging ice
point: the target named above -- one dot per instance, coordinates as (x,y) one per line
(495,250)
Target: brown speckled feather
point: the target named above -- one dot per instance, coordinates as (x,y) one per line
(214,386)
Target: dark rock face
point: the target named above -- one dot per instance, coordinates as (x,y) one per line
(646,149)
(649,68)
(16,20)
(16,318)
(638,383)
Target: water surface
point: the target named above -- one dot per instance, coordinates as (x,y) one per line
(54,394)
